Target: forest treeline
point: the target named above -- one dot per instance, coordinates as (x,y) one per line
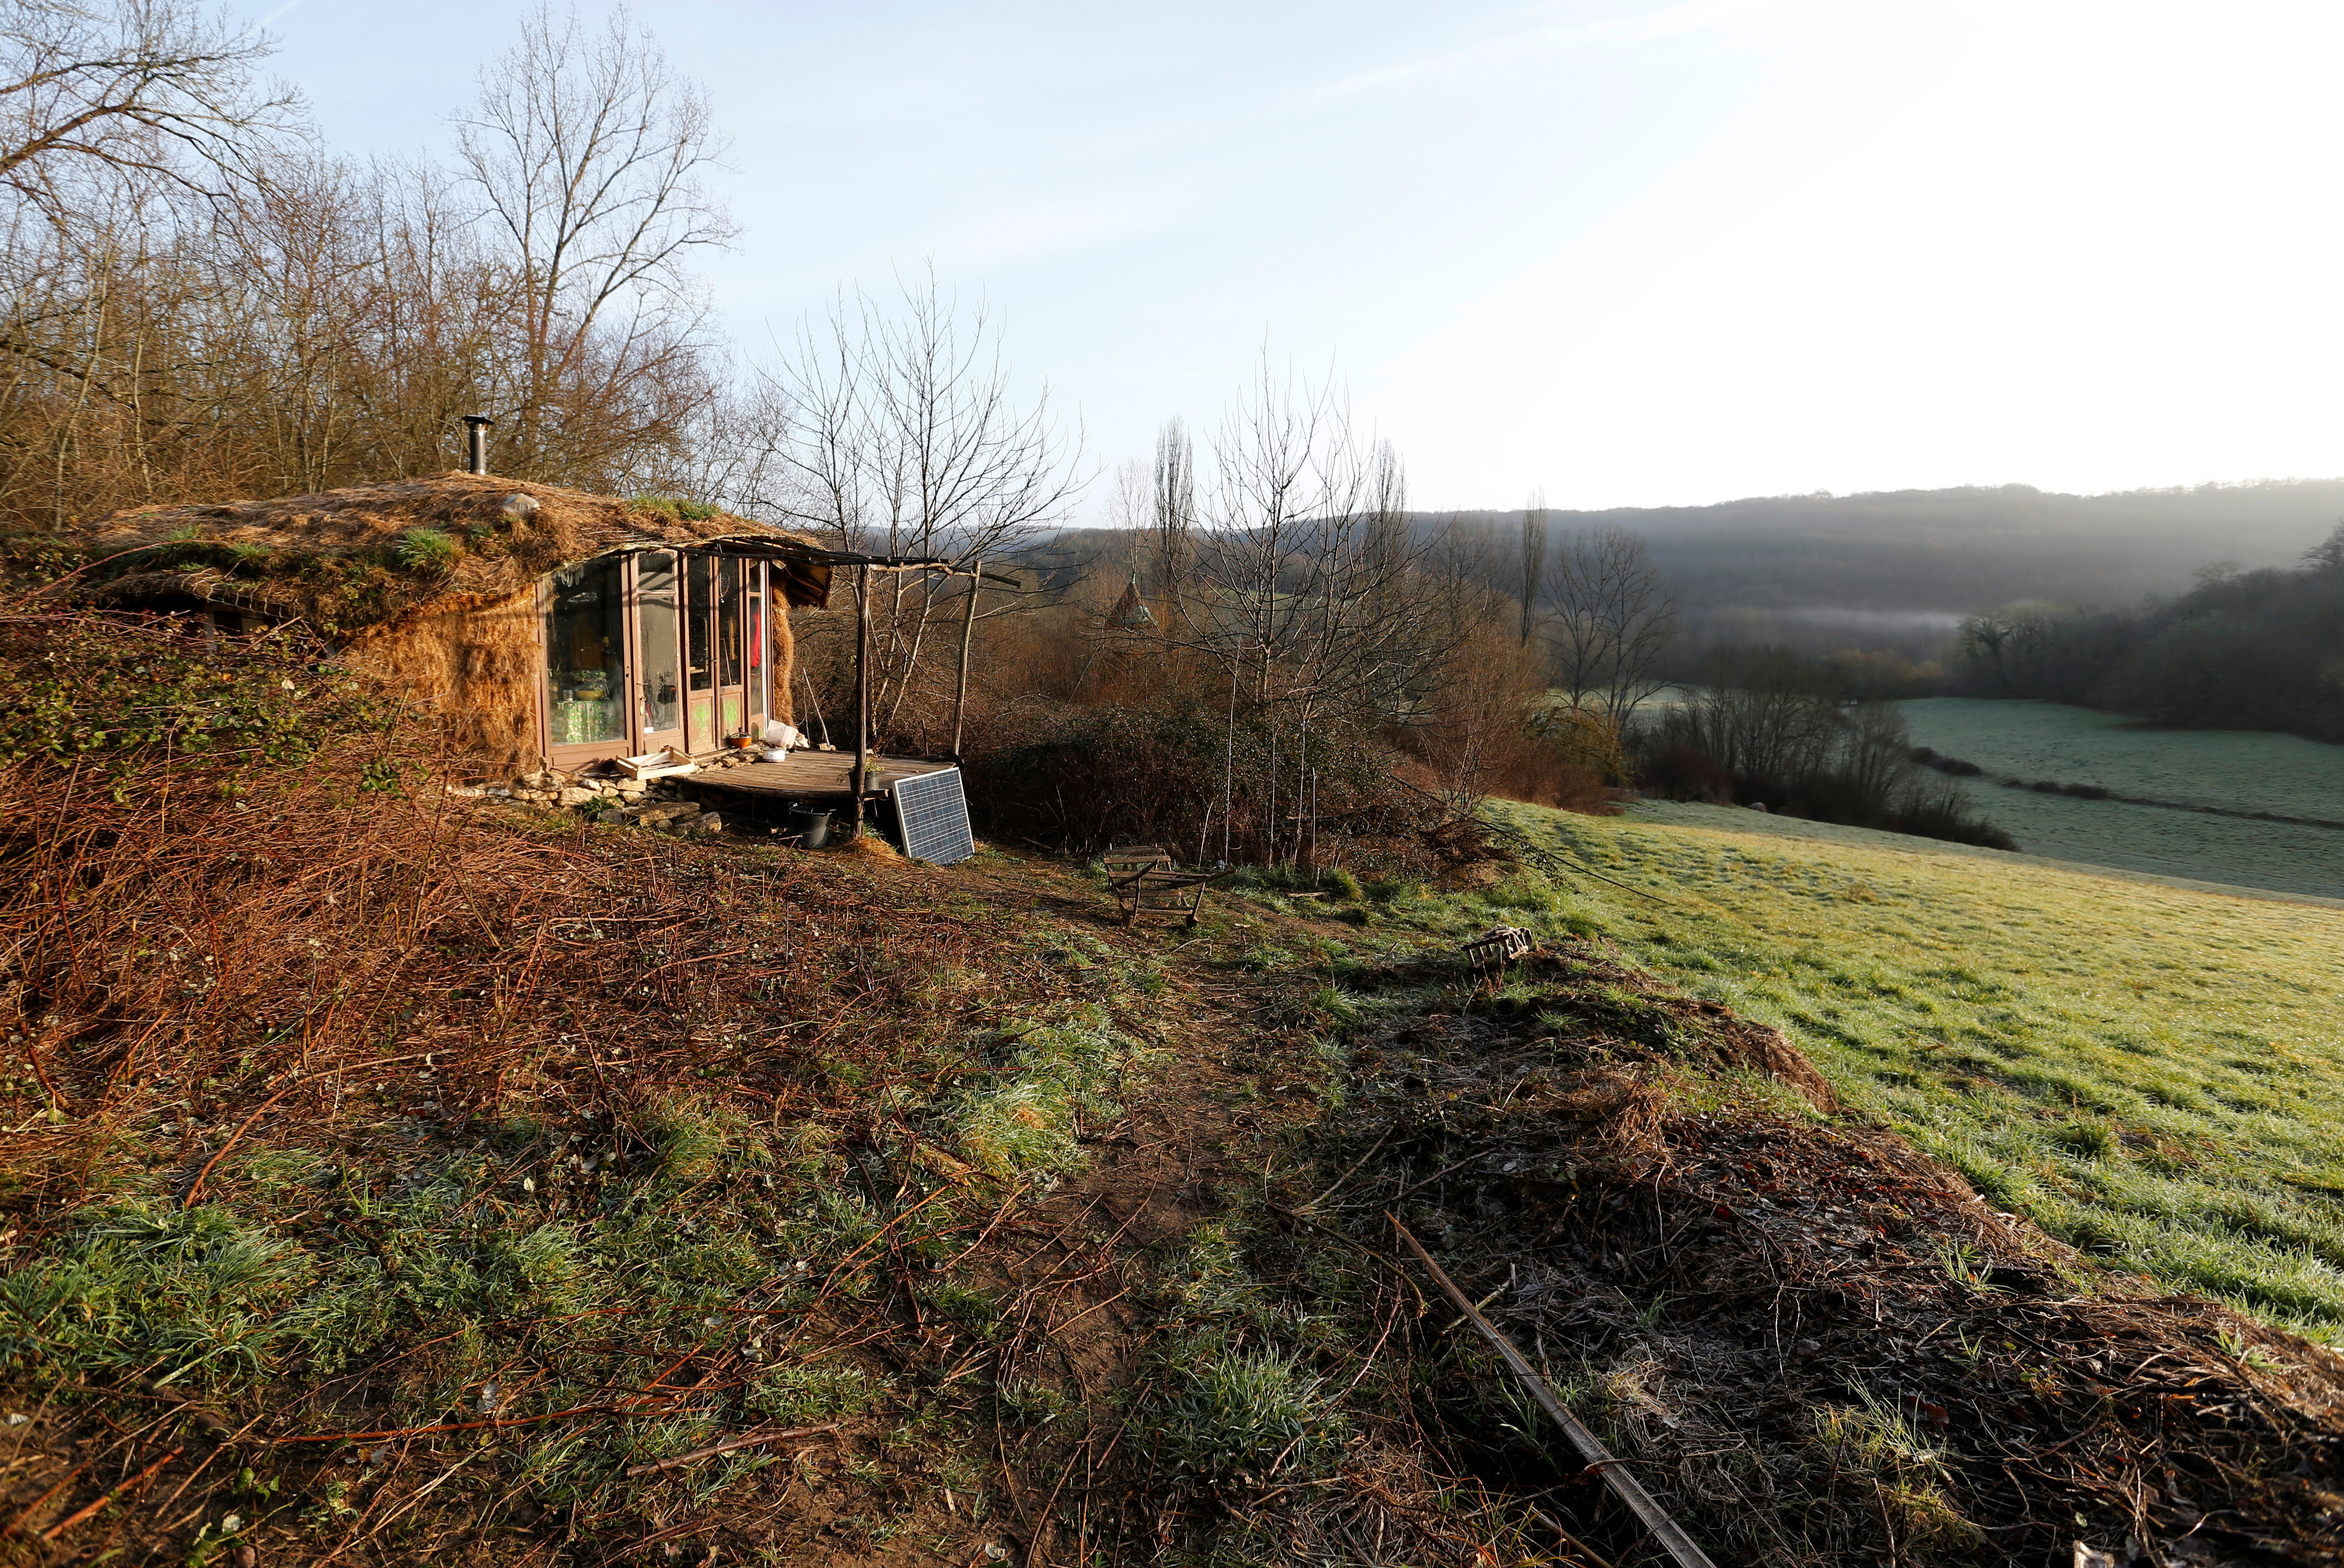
(2260,650)
(200,300)
(1898,570)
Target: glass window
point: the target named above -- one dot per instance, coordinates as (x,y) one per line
(586,654)
(757,637)
(701,622)
(660,612)
(728,625)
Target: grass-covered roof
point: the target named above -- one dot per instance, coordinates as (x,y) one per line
(347,560)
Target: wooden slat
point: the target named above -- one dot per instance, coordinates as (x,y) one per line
(1624,1486)
(812,775)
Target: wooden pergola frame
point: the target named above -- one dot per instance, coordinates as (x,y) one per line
(865,566)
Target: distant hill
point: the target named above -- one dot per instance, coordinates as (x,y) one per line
(1899,569)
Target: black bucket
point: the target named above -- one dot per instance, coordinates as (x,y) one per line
(812,826)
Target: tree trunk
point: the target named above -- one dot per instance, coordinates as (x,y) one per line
(862,690)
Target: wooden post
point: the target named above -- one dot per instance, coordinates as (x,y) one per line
(967,628)
(862,690)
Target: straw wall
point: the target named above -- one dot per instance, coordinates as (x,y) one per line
(783,671)
(474,671)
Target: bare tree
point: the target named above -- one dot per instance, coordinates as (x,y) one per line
(899,432)
(1614,617)
(196,302)
(1533,578)
(589,154)
(145,89)
(1309,586)
(114,118)
(1172,509)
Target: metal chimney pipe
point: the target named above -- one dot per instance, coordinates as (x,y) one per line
(476,442)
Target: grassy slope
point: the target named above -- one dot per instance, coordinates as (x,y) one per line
(2242,770)
(2235,771)
(2153,1073)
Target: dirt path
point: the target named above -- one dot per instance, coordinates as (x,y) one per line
(1081,1276)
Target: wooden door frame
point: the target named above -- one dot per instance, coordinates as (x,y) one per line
(584,754)
(756,696)
(638,724)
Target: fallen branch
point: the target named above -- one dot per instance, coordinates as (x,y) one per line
(76,1517)
(18,1525)
(1623,1485)
(727,1446)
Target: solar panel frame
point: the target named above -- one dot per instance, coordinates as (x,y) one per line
(932,817)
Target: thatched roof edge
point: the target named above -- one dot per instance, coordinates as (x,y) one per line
(375,557)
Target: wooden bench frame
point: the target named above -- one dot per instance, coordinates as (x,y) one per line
(1137,873)
(1500,947)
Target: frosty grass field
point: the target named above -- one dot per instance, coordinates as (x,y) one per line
(2153,1073)
(2235,770)
(2243,770)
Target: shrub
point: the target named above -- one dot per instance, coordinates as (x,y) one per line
(1765,726)
(1186,779)
(670,506)
(1930,758)
(427,550)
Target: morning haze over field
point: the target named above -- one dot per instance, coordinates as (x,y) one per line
(906,783)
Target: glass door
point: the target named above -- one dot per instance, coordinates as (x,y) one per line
(586,662)
(659,651)
(723,650)
(732,666)
(700,716)
(755,634)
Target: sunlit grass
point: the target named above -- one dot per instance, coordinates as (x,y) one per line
(2155,1074)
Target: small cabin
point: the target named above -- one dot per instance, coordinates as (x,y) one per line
(539,626)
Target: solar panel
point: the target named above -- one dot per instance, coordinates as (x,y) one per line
(932,817)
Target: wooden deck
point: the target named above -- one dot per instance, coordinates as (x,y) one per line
(812,776)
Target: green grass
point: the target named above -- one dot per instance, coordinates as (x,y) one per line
(2210,852)
(2234,770)
(2242,770)
(504,1264)
(2152,1073)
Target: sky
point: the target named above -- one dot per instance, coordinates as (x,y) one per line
(1621,253)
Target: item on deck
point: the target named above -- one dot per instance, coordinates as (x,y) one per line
(786,736)
(773,754)
(662,764)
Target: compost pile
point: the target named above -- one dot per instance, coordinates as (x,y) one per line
(1815,1344)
